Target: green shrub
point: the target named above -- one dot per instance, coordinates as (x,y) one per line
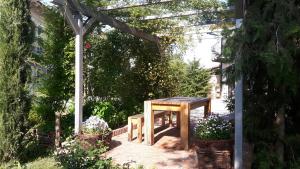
(46,163)
(107,111)
(88,108)
(32,148)
(73,156)
(293,151)
(213,128)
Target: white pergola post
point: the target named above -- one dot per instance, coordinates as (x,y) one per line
(238,114)
(78,74)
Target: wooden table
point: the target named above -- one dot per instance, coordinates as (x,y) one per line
(183,105)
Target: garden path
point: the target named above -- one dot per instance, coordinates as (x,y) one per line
(166,153)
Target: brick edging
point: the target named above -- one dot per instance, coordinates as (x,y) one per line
(121,130)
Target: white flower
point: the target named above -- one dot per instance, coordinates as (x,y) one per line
(94,123)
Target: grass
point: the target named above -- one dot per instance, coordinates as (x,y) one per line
(45,163)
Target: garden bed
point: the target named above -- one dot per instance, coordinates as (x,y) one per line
(214,153)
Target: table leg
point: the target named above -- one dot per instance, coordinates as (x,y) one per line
(178,119)
(140,127)
(163,120)
(149,123)
(129,129)
(207,109)
(184,125)
(170,119)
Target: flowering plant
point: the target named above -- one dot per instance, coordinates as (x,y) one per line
(213,128)
(95,125)
(71,154)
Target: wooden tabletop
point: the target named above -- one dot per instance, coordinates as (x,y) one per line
(179,100)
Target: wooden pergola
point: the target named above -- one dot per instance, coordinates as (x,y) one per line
(75,13)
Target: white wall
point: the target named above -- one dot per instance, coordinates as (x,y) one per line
(201,42)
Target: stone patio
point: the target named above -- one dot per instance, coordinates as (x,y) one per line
(167,152)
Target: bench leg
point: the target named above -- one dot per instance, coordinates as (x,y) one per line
(178,119)
(129,130)
(170,119)
(163,120)
(139,127)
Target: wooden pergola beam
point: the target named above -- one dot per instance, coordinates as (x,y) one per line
(73,6)
(68,14)
(141,4)
(107,20)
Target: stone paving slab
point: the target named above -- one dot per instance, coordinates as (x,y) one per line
(166,153)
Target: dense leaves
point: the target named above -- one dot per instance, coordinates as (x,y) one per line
(56,85)
(15,41)
(269,47)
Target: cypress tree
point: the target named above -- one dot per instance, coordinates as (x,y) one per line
(270,60)
(15,48)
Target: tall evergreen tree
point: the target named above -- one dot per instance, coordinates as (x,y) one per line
(269,46)
(57,84)
(15,48)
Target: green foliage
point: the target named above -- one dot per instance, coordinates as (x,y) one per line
(56,85)
(214,128)
(292,149)
(47,163)
(15,40)
(269,50)
(107,111)
(126,69)
(189,79)
(196,82)
(73,155)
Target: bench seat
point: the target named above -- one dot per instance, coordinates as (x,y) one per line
(138,119)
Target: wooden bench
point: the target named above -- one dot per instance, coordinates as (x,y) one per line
(138,120)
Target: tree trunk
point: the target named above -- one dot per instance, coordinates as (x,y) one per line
(57,130)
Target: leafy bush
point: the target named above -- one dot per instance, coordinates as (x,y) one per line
(46,163)
(107,111)
(32,148)
(88,108)
(214,128)
(293,150)
(72,155)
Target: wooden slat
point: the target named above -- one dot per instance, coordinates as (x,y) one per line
(178,100)
(107,20)
(198,104)
(166,107)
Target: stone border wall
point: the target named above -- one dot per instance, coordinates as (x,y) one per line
(121,130)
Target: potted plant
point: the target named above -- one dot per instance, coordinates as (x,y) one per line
(214,131)
(95,129)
